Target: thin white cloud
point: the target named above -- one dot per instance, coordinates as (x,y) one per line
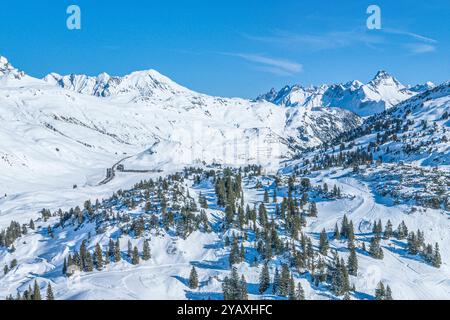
(410,34)
(272,65)
(344,39)
(418,48)
(318,42)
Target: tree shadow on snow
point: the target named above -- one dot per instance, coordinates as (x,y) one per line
(203,295)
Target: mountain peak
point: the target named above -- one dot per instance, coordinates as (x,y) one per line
(140,85)
(383,78)
(3,61)
(6,69)
(382,74)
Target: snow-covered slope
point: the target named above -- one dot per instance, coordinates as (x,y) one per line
(74,127)
(61,133)
(416,130)
(381,93)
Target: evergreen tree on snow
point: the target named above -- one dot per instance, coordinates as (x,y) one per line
(291,291)
(323,243)
(266,196)
(300,293)
(146,254)
(388,231)
(313,209)
(375,249)
(276,282)
(130,249)
(380,292)
(388,294)
(193,279)
(89,267)
(117,256)
(50,295)
(135,256)
(352,263)
(264,279)
(437,260)
(336,234)
(243,287)
(98,256)
(284,281)
(36,291)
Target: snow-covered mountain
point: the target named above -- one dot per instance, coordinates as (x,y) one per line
(141,84)
(419,88)
(7,70)
(322,168)
(381,93)
(73,127)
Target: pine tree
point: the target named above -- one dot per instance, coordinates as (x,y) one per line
(266,196)
(350,233)
(193,279)
(337,234)
(135,256)
(146,254)
(380,292)
(36,291)
(234,288)
(262,214)
(110,252)
(345,278)
(130,249)
(89,263)
(352,263)
(98,256)
(413,244)
(50,295)
(284,280)
(313,209)
(323,243)
(340,282)
(31,224)
(276,282)
(264,279)
(300,294)
(27,294)
(437,260)
(377,229)
(83,253)
(375,249)
(402,231)
(388,294)
(234,253)
(344,227)
(242,253)
(243,289)
(291,291)
(388,231)
(64,269)
(117,256)
(229,214)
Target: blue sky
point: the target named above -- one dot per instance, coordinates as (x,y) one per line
(234,47)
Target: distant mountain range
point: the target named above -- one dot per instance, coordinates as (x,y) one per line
(381,93)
